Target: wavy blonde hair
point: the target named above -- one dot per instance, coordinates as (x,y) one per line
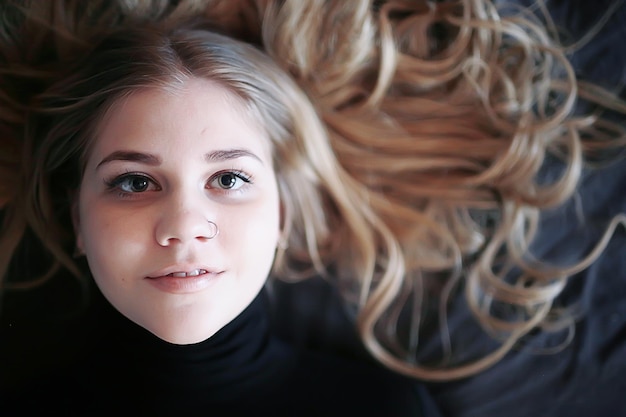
(448,117)
(442,116)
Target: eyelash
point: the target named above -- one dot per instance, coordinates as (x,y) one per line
(115,183)
(247,179)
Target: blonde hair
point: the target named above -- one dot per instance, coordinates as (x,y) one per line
(441,116)
(450,134)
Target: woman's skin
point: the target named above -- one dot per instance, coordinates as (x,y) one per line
(163,165)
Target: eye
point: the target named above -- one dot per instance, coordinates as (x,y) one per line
(133,183)
(229,180)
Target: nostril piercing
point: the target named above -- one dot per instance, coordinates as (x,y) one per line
(214,230)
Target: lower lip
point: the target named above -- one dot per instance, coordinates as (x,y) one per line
(184,285)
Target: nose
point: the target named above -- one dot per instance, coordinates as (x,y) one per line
(184,224)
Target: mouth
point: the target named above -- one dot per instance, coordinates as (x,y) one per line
(184,271)
(194,273)
(185,281)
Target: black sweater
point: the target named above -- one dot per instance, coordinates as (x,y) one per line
(241,371)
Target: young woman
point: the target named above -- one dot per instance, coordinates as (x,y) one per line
(182,161)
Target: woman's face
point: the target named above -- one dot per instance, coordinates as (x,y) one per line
(162,167)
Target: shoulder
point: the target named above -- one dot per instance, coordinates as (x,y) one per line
(329,384)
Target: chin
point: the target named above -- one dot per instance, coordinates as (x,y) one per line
(185,337)
(184,329)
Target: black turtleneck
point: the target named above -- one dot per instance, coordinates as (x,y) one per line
(240,371)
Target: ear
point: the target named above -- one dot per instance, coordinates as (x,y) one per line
(281,218)
(283,238)
(76,224)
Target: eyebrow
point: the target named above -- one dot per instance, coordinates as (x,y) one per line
(154,160)
(227,154)
(144,158)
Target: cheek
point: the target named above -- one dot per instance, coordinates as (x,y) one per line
(253,237)
(107,230)
(110,241)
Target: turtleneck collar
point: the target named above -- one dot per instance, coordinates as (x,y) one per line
(235,361)
(236,344)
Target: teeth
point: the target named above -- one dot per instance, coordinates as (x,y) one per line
(193,273)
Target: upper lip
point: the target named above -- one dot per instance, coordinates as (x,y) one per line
(187,269)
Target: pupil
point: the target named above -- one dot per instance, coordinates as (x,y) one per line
(227,180)
(139,184)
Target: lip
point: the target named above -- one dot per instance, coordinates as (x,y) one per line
(164,281)
(182,268)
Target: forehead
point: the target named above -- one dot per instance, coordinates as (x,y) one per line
(196,112)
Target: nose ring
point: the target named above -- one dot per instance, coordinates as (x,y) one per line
(214,230)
